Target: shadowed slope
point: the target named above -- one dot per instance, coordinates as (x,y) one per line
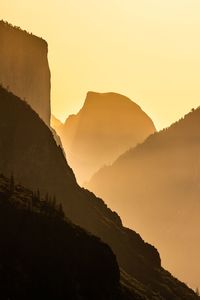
(28,150)
(155,188)
(44,256)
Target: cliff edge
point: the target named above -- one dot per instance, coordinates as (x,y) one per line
(24,68)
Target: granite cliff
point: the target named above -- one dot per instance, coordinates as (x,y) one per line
(24,68)
(107,125)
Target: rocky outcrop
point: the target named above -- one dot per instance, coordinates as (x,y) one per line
(107,125)
(24,68)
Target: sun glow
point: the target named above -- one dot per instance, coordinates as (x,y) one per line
(147,50)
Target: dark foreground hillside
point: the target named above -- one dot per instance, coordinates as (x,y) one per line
(43,256)
(28,150)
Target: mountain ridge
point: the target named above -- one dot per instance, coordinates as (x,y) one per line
(44,255)
(38,163)
(105,126)
(160,186)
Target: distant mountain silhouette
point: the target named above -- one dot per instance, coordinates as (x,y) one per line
(24,68)
(107,125)
(44,256)
(29,152)
(55,123)
(155,188)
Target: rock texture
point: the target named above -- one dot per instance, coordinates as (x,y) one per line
(37,162)
(155,188)
(107,125)
(24,68)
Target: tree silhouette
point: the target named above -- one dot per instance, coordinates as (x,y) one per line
(12,184)
(61,211)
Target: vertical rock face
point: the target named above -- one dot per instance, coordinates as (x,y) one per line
(24,68)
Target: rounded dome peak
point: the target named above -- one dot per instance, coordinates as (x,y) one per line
(109,99)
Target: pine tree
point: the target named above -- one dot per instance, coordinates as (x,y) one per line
(12,184)
(61,211)
(38,195)
(54,202)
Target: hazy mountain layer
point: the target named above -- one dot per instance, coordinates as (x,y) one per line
(28,150)
(107,125)
(155,188)
(55,123)
(24,68)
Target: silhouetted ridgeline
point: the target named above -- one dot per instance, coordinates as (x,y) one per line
(55,123)
(28,150)
(43,256)
(24,68)
(107,125)
(155,187)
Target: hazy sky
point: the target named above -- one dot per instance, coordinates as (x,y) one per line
(148,50)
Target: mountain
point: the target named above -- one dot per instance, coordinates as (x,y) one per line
(55,123)
(29,152)
(44,256)
(155,187)
(24,68)
(107,125)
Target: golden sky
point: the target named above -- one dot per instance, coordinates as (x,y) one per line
(148,50)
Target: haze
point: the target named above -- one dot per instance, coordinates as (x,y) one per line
(147,50)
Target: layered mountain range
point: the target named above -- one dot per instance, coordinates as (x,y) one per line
(155,187)
(38,163)
(107,125)
(43,255)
